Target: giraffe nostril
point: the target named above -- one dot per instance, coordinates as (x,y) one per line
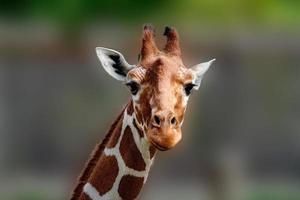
(156,119)
(173,121)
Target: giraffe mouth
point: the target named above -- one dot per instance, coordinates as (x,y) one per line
(159,147)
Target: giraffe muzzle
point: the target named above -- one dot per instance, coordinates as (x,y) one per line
(164,138)
(164,118)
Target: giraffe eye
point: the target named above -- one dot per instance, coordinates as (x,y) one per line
(134,87)
(188,88)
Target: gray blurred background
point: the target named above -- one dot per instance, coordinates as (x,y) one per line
(241,133)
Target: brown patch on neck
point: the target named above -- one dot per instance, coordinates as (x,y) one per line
(152,150)
(84,196)
(117,131)
(130,187)
(115,136)
(130,153)
(104,177)
(91,163)
(130,108)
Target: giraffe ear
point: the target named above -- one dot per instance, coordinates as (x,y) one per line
(199,70)
(114,63)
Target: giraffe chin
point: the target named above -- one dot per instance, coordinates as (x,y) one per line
(164,143)
(161,148)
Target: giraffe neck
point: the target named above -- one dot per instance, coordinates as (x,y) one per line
(123,167)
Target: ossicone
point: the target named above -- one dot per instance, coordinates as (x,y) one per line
(172,45)
(148,43)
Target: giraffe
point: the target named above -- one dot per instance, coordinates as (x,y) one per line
(160,86)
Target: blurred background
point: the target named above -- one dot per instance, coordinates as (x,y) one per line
(241,134)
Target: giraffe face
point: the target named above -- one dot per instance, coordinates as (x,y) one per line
(160,86)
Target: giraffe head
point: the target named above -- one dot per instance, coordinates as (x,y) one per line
(160,85)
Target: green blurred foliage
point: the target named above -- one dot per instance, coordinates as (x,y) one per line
(76,13)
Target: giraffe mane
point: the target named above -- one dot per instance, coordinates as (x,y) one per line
(92,161)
